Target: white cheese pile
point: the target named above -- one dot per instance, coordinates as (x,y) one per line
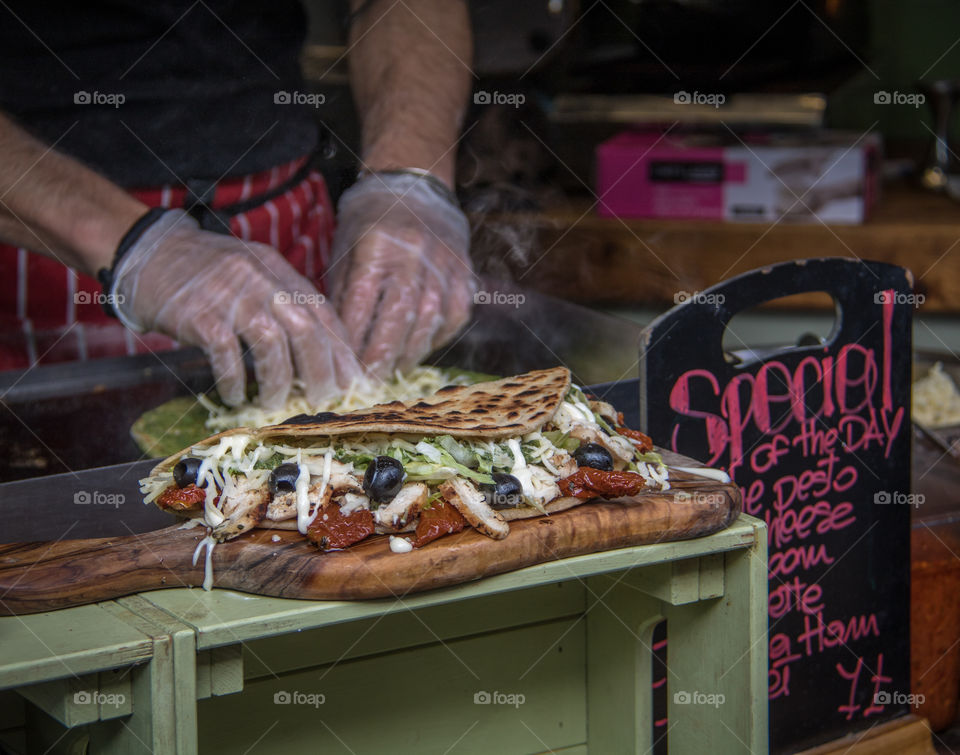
(363,392)
(936,400)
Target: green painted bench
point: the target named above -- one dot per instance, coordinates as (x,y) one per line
(549,658)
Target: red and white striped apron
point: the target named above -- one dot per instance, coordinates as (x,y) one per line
(49,313)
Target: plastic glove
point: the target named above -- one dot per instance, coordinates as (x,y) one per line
(209,290)
(400,275)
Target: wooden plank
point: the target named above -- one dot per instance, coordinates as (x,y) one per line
(172,691)
(620,624)
(676,582)
(226,670)
(153,726)
(75,701)
(164,690)
(711,576)
(717,662)
(418,700)
(66,643)
(355,639)
(908,735)
(203,674)
(116,696)
(222,617)
(586,258)
(281,563)
(48,736)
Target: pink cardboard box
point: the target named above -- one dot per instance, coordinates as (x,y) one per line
(832,177)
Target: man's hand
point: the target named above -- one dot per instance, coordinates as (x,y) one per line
(400,273)
(211,290)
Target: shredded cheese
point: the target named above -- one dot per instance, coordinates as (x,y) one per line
(363,392)
(211,514)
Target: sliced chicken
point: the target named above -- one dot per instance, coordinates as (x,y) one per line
(544,485)
(563,462)
(605,410)
(382,529)
(284,505)
(404,507)
(618,446)
(465,498)
(570,421)
(350,501)
(244,507)
(344,481)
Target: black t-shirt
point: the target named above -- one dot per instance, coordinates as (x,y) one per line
(151,92)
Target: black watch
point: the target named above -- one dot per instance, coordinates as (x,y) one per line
(104,274)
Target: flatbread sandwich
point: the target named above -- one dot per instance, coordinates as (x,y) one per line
(476,456)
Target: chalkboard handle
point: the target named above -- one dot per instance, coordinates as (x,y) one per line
(703,318)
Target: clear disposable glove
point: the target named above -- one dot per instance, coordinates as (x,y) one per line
(211,290)
(400,274)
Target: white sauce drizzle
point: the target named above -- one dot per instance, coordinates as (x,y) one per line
(302,487)
(400,544)
(712,474)
(520,469)
(211,515)
(208,564)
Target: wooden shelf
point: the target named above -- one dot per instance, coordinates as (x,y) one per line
(582,257)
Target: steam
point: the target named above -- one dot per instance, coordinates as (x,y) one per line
(504,235)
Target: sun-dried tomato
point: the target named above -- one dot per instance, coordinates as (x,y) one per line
(588,482)
(333,530)
(643,442)
(438,520)
(181,499)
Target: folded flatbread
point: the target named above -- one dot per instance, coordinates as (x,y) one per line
(468,456)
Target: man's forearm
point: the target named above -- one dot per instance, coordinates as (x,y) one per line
(410,72)
(51,204)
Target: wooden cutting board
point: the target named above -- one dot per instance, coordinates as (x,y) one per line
(38,577)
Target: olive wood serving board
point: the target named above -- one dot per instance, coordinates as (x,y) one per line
(38,577)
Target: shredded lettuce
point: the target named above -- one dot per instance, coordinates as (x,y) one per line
(462,454)
(604,424)
(271,462)
(449,461)
(562,440)
(359,461)
(650,457)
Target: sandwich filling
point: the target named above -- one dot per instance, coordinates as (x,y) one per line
(470,456)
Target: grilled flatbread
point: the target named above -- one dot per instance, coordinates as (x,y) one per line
(468,456)
(176,423)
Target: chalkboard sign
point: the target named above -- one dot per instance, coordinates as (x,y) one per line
(818,438)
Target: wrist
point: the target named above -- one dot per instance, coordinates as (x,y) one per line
(97,236)
(385,160)
(137,244)
(401,179)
